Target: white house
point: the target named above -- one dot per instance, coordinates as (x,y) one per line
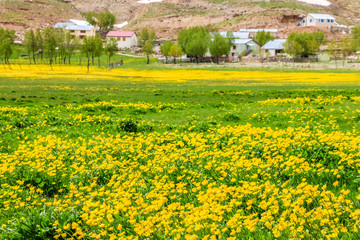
(124,39)
(318,20)
(242,46)
(273,48)
(77,28)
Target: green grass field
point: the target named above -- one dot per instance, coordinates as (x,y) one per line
(162,153)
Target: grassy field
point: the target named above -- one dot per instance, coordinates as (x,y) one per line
(164,153)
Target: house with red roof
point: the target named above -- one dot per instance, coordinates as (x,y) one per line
(123,38)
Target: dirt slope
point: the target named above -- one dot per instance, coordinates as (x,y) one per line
(171,15)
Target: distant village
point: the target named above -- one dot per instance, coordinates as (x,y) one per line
(244,45)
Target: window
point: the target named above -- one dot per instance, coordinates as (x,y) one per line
(83,31)
(82,36)
(322,20)
(233,54)
(310,20)
(328,20)
(118,38)
(304,21)
(123,38)
(319,20)
(332,20)
(234,47)
(72,31)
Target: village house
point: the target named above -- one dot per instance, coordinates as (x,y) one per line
(242,47)
(124,39)
(318,20)
(273,48)
(78,28)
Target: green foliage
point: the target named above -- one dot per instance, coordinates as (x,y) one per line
(30,43)
(110,47)
(263,37)
(194,41)
(165,48)
(148,49)
(106,21)
(304,44)
(145,36)
(50,44)
(219,46)
(176,51)
(7,38)
(334,50)
(88,49)
(91,17)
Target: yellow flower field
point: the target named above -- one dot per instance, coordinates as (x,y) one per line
(84,156)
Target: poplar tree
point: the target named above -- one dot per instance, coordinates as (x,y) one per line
(31,45)
(110,48)
(219,46)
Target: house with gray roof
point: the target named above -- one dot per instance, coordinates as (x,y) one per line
(77,28)
(317,20)
(273,48)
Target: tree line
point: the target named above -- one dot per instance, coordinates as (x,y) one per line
(59,45)
(196,41)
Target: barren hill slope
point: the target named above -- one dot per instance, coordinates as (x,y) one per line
(169,16)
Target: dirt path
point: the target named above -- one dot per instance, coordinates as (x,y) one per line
(129,55)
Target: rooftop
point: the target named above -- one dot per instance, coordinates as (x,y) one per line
(119,34)
(321,16)
(72,26)
(275,44)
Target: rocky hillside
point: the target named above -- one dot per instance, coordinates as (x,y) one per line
(169,16)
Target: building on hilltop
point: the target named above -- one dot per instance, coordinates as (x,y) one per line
(78,28)
(124,39)
(317,20)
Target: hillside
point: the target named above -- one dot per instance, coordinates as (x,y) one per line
(171,15)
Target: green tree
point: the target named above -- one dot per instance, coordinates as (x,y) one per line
(40,42)
(146,35)
(7,37)
(91,17)
(355,33)
(176,51)
(293,48)
(50,44)
(31,44)
(194,41)
(88,49)
(165,49)
(334,50)
(110,48)
(148,49)
(219,46)
(347,48)
(106,21)
(263,37)
(230,38)
(6,50)
(98,50)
